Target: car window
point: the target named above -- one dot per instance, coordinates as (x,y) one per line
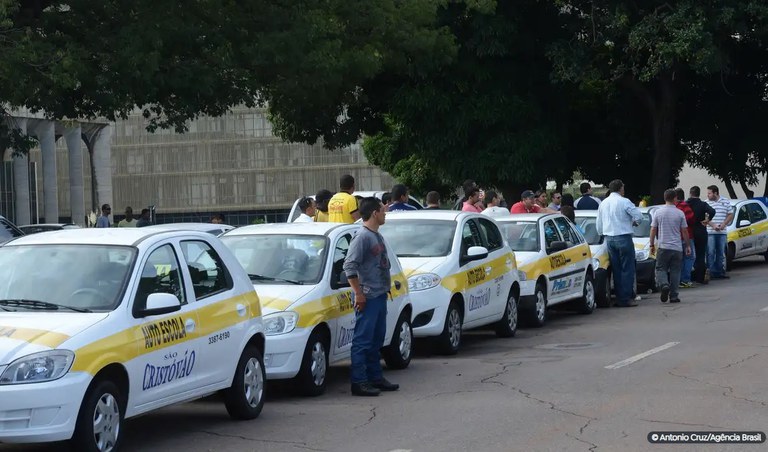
(522,236)
(419,238)
(490,234)
(470,236)
(756,212)
(550,234)
(206,269)
(8,231)
(589,226)
(160,274)
(743,214)
(265,256)
(643,229)
(565,231)
(340,249)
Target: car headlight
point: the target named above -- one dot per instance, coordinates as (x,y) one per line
(280,323)
(423,281)
(521,276)
(595,263)
(38,367)
(642,255)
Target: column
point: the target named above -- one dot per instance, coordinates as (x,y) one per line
(47,138)
(102,166)
(21,193)
(74,140)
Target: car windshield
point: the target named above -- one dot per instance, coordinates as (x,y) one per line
(521,235)
(72,277)
(419,238)
(589,226)
(276,259)
(644,228)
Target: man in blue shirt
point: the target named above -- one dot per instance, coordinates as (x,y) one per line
(615,218)
(400,199)
(103,220)
(586,201)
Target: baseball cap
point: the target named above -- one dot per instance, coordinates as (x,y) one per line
(527,194)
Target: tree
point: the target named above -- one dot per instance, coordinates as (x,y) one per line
(654,50)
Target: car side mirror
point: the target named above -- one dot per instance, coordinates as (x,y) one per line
(744,223)
(475,253)
(159,304)
(339,281)
(557,246)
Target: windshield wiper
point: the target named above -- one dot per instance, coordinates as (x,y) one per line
(272,278)
(37,304)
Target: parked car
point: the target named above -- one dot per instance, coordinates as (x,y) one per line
(309,315)
(645,260)
(555,264)
(8,230)
(139,319)
(295,212)
(45,227)
(601,261)
(211,228)
(461,274)
(748,231)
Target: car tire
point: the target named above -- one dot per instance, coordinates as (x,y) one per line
(766,256)
(245,398)
(449,341)
(587,303)
(313,375)
(100,420)
(730,255)
(507,325)
(603,289)
(397,355)
(537,316)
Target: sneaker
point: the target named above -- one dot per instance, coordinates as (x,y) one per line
(364,389)
(686,285)
(664,294)
(674,300)
(385,385)
(638,298)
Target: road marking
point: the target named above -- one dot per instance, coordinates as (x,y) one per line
(764,310)
(635,358)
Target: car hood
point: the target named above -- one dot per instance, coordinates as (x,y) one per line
(281,297)
(22,333)
(417,265)
(526,257)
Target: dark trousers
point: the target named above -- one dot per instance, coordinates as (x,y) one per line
(668,264)
(700,264)
(622,254)
(370,331)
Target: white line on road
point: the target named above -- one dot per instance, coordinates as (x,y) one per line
(635,358)
(764,310)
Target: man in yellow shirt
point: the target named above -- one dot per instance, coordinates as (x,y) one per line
(342,208)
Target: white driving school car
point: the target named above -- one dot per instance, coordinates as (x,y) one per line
(748,231)
(601,261)
(555,264)
(308,310)
(461,274)
(99,325)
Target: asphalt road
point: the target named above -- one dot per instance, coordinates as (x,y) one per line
(561,387)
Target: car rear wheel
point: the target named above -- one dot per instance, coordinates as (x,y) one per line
(603,289)
(507,326)
(449,341)
(537,316)
(100,419)
(314,365)
(587,302)
(245,398)
(397,355)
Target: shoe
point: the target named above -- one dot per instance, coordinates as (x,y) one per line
(638,298)
(385,385)
(674,300)
(686,285)
(364,389)
(664,294)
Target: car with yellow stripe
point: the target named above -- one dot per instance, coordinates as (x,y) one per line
(601,261)
(748,231)
(100,325)
(461,273)
(645,260)
(309,315)
(555,264)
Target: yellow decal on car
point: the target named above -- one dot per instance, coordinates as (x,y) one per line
(33,336)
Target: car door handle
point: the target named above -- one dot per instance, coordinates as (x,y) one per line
(488,270)
(568,259)
(189,325)
(398,285)
(583,254)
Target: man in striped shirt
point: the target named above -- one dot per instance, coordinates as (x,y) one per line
(717,236)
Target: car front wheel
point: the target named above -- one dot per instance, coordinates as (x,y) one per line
(507,326)
(245,398)
(314,365)
(397,354)
(537,315)
(449,341)
(587,301)
(100,419)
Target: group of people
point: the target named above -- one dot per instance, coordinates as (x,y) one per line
(128,222)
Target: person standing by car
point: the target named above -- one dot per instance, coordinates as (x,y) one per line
(321,203)
(541,198)
(128,221)
(672,229)
(615,217)
(433,200)
(307,207)
(143,219)
(472,196)
(103,220)
(556,201)
(690,220)
(342,208)
(492,207)
(702,213)
(367,269)
(586,201)
(717,236)
(400,199)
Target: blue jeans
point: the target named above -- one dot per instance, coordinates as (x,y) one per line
(685,275)
(370,329)
(621,250)
(716,255)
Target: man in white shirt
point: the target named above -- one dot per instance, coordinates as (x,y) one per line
(492,209)
(717,236)
(307,208)
(615,218)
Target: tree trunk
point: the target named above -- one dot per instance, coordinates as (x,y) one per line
(729,187)
(747,192)
(513,190)
(663,120)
